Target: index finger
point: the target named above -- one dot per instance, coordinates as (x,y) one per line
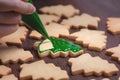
(17,5)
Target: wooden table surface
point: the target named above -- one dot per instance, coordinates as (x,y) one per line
(100,8)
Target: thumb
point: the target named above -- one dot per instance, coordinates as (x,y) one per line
(17,6)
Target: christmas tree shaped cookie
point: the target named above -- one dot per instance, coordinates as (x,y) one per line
(82,21)
(101,79)
(14,55)
(92,66)
(114,53)
(93,39)
(54,30)
(35,35)
(9,77)
(16,37)
(57,47)
(4,70)
(60,10)
(46,19)
(40,70)
(113,25)
(119,78)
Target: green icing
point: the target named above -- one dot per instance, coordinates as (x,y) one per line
(61,45)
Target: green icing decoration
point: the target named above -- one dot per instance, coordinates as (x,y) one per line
(61,45)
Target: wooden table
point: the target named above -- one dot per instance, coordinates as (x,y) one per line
(100,8)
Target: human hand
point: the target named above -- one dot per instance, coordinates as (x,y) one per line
(10,14)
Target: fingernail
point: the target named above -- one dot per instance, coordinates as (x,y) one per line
(31,9)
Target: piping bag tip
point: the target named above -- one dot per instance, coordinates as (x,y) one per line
(34,21)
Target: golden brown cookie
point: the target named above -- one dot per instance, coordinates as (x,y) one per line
(101,79)
(15,38)
(47,45)
(3,45)
(54,30)
(105,79)
(114,52)
(40,70)
(60,10)
(82,21)
(47,19)
(92,66)
(4,70)
(119,78)
(113,25)
(14,55)
(35,35)
(9,77)
(92,39)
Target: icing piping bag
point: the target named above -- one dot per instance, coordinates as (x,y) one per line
(34,21)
